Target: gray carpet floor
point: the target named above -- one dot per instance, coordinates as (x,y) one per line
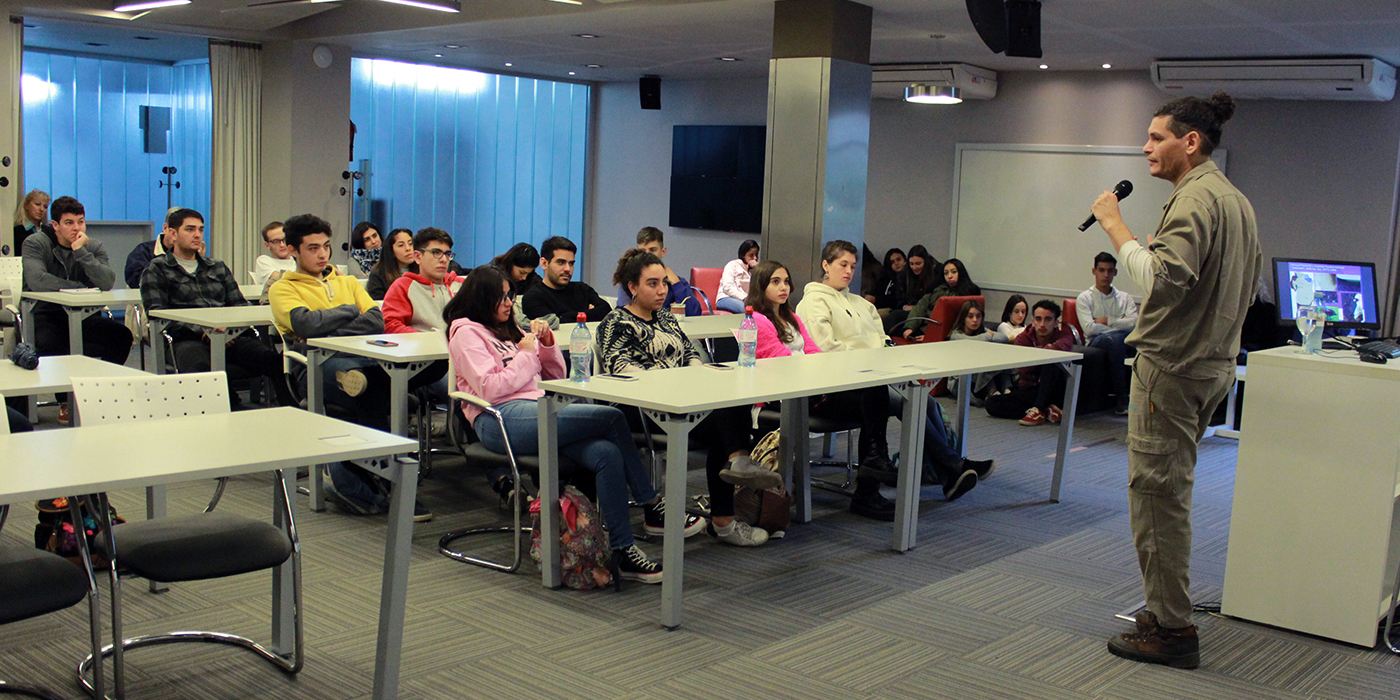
(1006,596)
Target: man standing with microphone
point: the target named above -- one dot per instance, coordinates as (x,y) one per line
(1198,277)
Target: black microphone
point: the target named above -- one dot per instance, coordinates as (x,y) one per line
(1121,191)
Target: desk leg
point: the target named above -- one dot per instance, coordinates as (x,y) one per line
(550,573)
(964,412)
(285,604)
(398,397)
(217,339)
(1071,406)
(75,329)
(157,363)
(393,596)
(911,466)
(26,309)
(793,455)
(155,508)
(673,552)
(314,403)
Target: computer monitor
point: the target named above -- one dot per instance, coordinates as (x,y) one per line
(1348,291)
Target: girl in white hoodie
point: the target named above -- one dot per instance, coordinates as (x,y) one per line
(497,362)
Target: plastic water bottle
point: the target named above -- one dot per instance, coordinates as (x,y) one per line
(748,339)
(580,351)
(1313,342)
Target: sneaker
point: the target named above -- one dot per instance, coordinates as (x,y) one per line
(1055,415)
(654,520)
(421,514)
(634,565)
(64,418)
(1033,417)
(743,471)
(873,505)
(1151,643)
(352,382)
(740,534)
(505,491)
(956,487)
(350,494)
(983,467)
(1121,406)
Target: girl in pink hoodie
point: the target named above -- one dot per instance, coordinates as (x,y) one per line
(780,334)
(494,360)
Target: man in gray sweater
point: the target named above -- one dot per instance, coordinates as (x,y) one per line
(1198,277)
(68,259)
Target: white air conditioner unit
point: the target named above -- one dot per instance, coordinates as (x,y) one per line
(1357,79)
(889,81)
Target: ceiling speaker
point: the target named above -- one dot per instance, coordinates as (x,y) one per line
(1023,28)
(989,19)
(650,89)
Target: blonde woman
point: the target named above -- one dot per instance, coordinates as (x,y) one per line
(32,215)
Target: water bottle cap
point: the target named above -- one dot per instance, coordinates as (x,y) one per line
(582,317)
(748,310)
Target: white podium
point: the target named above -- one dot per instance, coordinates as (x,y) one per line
(1315,527)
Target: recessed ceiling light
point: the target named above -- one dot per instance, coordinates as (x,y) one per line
(729,58)
(591,65)
(586,36)
(572,73)
(570,2)
(1107,65)
(1043,66)
(439,5)
(451,46)
(437,55)
(138,5)
(508,65)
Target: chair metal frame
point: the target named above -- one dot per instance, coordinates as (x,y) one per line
(107,400)
(446,541)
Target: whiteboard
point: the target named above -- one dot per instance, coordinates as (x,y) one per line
(1017,210)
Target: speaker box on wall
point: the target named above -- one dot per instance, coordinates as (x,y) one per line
(989,19)
(650,89)
(1023,28)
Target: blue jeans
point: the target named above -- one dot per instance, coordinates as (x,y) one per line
(597,438)
(1112,343)
(940,459)
(730,304)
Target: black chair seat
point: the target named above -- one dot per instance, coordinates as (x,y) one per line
(34,582)
(770,420)
(195,547)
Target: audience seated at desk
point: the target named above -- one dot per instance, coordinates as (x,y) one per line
(182,278)
(643,335)
(956,283)
(734,280)
(366,247)
(781,334)
(498,363)
(415,301)
(518,265)
(557,299)
(278,258)
(886,295)
(68,259)
(1035,398)
(969,326)
(313,301)
(839,320)
(1107,315)
(141,256)
(397,258)
(32,216)
(653,241)
(1013,317)
(919,277)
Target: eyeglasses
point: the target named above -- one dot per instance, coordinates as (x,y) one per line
(276,241)
(439,253)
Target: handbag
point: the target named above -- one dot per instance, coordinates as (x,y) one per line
(770,509)
(55,531)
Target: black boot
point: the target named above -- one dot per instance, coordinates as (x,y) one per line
(868,502)
(874,457)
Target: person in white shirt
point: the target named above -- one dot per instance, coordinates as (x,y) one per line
(734,282)
(278,258)
(1107,315)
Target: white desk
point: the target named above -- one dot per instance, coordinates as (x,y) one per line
(60,463)
(54,375)
(679,398)
(251,292)
(1315,525)
(78,307)
(217,322)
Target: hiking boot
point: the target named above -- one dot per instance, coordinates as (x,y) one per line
(743,471)
(959,485)
(881,470)
(1033,417)
(1150,643)
(654,520)
(740,534)
(348,491)
(634,565)
(352,382)
(983,467)
(872,505)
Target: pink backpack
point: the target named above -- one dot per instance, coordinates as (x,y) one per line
(585,557)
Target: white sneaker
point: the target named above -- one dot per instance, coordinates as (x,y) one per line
(352,382)
(743,471)
(741,534)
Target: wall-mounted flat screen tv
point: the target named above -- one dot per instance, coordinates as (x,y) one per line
(717,177)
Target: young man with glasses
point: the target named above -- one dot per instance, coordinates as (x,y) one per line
(415,300)
(278,258)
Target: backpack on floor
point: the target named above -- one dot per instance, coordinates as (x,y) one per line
(55,532)
(770,509)
(585,557)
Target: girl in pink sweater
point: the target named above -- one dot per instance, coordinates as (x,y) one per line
(780,334)
(494,360)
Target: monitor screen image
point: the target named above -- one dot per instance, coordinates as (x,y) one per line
(1348,291)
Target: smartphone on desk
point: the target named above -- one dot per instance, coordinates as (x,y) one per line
(382,343)
(718,365)
(618,377)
